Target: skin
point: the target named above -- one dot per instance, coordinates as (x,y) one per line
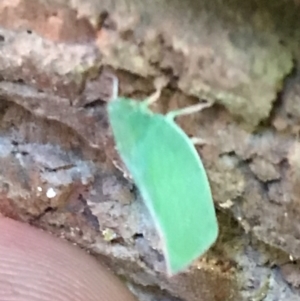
(35,265)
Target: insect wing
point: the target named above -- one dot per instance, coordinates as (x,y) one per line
(171,178)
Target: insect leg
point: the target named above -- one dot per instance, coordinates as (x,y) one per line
(152,98)
(160,83)
(189,110)
(198,141)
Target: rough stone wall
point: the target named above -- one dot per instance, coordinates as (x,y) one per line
(57,158)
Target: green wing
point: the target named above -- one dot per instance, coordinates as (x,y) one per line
(169,173)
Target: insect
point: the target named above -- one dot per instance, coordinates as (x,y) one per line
(168,172)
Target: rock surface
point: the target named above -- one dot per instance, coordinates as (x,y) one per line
(57,155)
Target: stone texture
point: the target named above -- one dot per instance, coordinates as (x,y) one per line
(59,169)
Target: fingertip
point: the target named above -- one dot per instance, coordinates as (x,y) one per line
(35,265)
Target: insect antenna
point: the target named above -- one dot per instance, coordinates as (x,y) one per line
(189,110)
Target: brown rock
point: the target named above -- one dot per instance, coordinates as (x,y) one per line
(57,155)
